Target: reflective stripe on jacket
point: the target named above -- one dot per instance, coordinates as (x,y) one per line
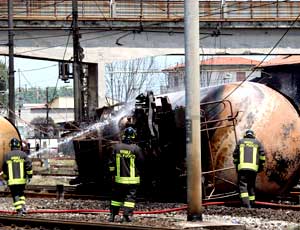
(125,163)
(17,167)
(249,154)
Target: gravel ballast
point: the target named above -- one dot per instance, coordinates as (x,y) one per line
(256,218)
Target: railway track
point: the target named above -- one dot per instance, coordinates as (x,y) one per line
(72,192)
(28,223)
(58,192)
(148,215)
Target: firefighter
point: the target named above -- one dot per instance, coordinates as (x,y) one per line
(125,167)
(249,159)
(17,171)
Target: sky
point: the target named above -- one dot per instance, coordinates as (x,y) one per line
(40,73)
(35,73)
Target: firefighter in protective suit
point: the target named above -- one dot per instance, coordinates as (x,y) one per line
(249,159)
(17,171)
(125,166)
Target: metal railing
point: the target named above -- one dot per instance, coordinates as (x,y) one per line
(150,9)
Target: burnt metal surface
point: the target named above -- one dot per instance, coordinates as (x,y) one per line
(285,79)
(8,131)
(276,124)
(226,112)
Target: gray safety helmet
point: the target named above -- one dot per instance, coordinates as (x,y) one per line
(249,133)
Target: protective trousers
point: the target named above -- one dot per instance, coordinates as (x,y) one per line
(246,180)
(17,192)
(123,195)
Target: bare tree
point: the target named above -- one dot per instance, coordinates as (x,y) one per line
(3,86)
(44,128)
(126,79)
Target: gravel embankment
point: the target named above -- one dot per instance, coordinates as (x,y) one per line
(262,218)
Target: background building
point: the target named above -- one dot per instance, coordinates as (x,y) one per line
(214,71)
(60,110)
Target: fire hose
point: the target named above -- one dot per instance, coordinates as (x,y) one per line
(162,211)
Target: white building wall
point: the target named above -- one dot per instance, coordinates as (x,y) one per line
(209,77)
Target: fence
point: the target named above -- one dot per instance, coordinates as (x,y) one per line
(146,9)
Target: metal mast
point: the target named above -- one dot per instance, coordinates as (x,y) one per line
(192,113)
(77,68)
(11,71)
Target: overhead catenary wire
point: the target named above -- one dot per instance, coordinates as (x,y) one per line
(64,56)
(105,19)
(117,41)
(42,6)
(262,61)
(160,23)
(247,77)
(173,13)
(37,69)
(83,40)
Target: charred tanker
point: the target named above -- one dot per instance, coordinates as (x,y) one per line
(7,132)
(226,112)
(274,120)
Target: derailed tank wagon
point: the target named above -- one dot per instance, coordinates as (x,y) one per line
(226,112)
(7,132)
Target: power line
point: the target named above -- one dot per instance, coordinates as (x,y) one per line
(46,67)
(42,6)
(45,48)
(117,41)
(105,19)
(245,8)
(54,93)
(55,36)
(277,43)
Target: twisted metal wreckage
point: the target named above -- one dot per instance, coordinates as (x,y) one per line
(226,112)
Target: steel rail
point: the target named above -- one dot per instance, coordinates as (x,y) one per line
(64,224)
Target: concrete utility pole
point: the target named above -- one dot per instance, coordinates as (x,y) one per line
(76,63)
(11,71)
(20,98)
(192,113)
(47,107)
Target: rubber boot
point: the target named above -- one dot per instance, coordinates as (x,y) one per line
(246,202)
(126,218)
(24,210)
(20,212)
(113,212)
(111,218)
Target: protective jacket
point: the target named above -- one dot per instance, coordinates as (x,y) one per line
(17,167)
(249,155)
(125,163)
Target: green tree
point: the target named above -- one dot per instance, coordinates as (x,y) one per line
(3,85)
(38,95)
(44,128)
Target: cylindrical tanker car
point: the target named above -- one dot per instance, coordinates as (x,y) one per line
(226,112)
(276,124)
(7,132)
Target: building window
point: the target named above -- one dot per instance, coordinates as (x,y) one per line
(240,76)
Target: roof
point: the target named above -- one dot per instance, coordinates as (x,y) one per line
(34,106)
(172,68)
(220,61)
(230,61)
(62,102)
(56,103)
(282,60)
